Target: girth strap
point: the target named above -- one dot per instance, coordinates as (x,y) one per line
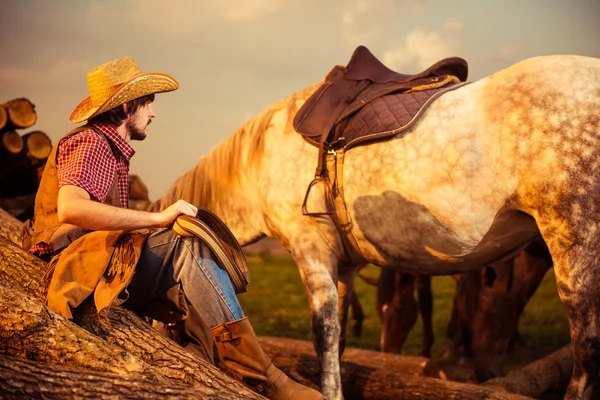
(333,186)
(335,168)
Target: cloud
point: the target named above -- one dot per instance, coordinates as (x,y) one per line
(248,10)
(188,20)
(423,48)
(360,22)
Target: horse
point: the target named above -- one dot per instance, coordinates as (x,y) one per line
(486,169)
(398,309)
(487,305)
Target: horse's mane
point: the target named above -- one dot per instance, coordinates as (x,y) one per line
(223,167)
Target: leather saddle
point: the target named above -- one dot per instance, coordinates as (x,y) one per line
(346,90)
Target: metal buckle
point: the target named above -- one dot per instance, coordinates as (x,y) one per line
(225,337)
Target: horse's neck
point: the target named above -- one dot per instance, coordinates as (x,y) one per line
(222,183)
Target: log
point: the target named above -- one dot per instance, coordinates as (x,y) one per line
(539,376)
(415,366)
(19,206)
(137,188)
(297,358)
(37,145)
(138,194)
(10,227)
(3,116)
(21,112)
(12,142)
(29,330)
(127,332)
(27,379)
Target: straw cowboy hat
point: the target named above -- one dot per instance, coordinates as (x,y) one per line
(116,83)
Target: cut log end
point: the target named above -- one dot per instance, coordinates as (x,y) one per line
(21,112)
(38,144)
(3,116)
(12,142)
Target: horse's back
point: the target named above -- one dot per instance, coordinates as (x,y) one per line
(514,141)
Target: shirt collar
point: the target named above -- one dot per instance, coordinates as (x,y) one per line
(121,144)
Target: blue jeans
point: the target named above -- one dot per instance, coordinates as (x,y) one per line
(167,260)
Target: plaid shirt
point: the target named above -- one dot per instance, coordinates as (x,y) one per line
(84,160)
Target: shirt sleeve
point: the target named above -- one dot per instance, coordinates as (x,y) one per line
(85,160)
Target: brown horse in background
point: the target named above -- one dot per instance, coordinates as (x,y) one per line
(487,306)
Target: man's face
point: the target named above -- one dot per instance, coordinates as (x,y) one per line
(137,124)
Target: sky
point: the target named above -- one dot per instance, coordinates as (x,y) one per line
(234,58)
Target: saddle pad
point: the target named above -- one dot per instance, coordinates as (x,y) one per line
(387,116)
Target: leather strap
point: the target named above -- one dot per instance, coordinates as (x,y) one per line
(335,172)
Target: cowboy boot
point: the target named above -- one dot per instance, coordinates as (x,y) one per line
(240,351)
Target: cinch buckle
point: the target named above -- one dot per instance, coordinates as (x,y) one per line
(226,337)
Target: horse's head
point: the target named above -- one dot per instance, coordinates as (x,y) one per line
(397,308)
(487,317)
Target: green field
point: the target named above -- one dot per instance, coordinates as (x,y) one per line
(276,304)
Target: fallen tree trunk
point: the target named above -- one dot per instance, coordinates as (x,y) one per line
(373,381)
(30,330)
(10,227)
(537,377)
(127,332)
(286,349)
(178,366)
(27,379)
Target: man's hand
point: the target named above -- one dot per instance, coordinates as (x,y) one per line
(169,214)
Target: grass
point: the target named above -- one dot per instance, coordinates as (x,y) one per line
(277,305)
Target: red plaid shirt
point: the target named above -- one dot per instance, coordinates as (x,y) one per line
(85,160)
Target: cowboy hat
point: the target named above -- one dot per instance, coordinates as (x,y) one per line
(116,83)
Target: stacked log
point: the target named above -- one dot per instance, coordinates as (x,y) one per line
(138,193)
(18,113)
(22,157)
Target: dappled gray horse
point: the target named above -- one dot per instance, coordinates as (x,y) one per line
(485,170)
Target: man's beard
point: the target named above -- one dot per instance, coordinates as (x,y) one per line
(135,133)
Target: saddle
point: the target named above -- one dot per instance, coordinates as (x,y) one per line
(346,90)
(359,103)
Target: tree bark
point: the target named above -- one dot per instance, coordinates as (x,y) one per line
(27,379)
(289,350)
(10,227)
(537,377)
(378,378)
(30,330)
(126,333)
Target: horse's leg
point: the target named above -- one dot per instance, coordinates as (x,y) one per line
(358,314)
(345,288)
(426,308)
(577,271)
(317,261)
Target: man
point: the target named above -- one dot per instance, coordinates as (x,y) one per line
(83,226)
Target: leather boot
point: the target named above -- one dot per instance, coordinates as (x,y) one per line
(240,351)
